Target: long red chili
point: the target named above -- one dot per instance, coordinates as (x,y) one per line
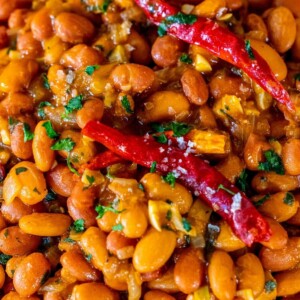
(204,180)
(220,42)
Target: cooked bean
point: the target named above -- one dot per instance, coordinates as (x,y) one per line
(209,8)
(93,291)
(13,241)
(16,296)
(292,5)
(3,37)
(256,23)
(2,221)
(153,250)
(288,282)
(17,103)
(18,18)
(231,167)
(41,25)
(12,264)
(296,46)
(290,151)
(188,279)
(31,273)
(116,241)
(28,46)
(6,8)
(2,276)
(157,295)
(54,48)
(221,275)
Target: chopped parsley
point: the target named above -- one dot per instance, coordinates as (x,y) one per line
(12,122)
(88,257)
(186,225)
(78,225)
(222,187)
(91,69)
(90,179)
(50,196)
(66,144)
(20,170)
(179,129)
(242,181)
(153,167)
(179,18)
(102,8)
(270,286)
(249,49)
(185,58)
(69,164)
(273,163)
(75,103)
(169,215)
(4,258)
(50,130)
(170,179)
(289,199)
(262,200)
(161,138)
(126,104)
(41,112)
(69,240)
(45,277)
(141,187)
(45,81)
(28,134)
(118,227)
(101,210)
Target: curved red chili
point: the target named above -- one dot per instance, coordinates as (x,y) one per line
(220,42)
(197,175)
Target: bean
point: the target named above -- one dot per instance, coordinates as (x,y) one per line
(17,103)
(209,8)
(93,291)
(2,276)
(13,241)
(132,78)
(153,250)
(156,189)
(44,157)
(292,5)
(54,48)
(31,273)
(73,28)
(92,109)
(26,182)
(107,221)
(12,264)
(255,22)
(41,25)
(6,8)
(12,81)
(250,273)
(116,241)
(194,86)
(188,279)
(231,167)
(282,28)
(2,221)
(221,275)
(157,295)
(234,4)
(78,267)
(283,259)
(295,219)
(58,83)
(17,18)
(296,46)
(290,151)
(16,296)
(80,56)
(93,241)
(288,282)
(206,117)
(45,224)
(28,46)
(3,37)
(60,180)
(166,51)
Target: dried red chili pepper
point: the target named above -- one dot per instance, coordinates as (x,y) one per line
(197,175)
(220,42)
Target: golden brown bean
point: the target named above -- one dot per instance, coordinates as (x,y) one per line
(13,241)
(45,224)
(166,51)
(288,282)
(41,25)
(292,5)
(17,103)
(6,8)
(132,78)
(93,291)
(194,86)
(16,296)
(78,267)
(221,275)
(255,22)
(73,28)
(107,221)
(189,279)
(12,264)
(31,273)
(250,273)
(54,47)
(282,28)
(290,151)
(157,295)
(206,117)
(296,46)
(231,167)
(295,219)
(153,250)
(28,46)
(209,8)
(18,18)
(116,241)
(2,221)
(2,276)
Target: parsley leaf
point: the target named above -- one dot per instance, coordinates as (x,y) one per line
(273,163)
(249,49)
(90,179)
(170,179)
(101,210)
(126,104)
(20,170)
(91,69)
(40,112)
(28,134)
(45,81)
(180,129)
(222,187)
(50,196)
(66,144)
(78,225)
(179,18)
(185,58)
(242,181)
(169,215)
(75,103)
(270,286)
(69,164)
(4,258)
(262,200)
(141,187)
(45,277)
(161,138)
(153,167)
(50,131)
(88,257)
(118,227)
(69,240)
(186,225)
(289,199)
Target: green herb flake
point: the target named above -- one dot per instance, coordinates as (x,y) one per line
(180,129)
(91,69)
(74,104)
(179,18)
(118,227)
(45,81)
(88,257)
(4,258)
(186,225)
(6,233)
(170,179)
(161,138)
(169,215)
(185,58)
(157,127)
(69,240)
(20,170)
(69,164)
(12,122)
(101,210)
(45,277)
(153,167)
(40,111)
(273,163)
(141,187)
(262,200)
(36,191)
(50,196)
(78,225)
(289,199)
(50,130)
(242,181)
(105,5)
(90,179)
(222,187)
(66,144)
(28,134)
(270,286)
(249,49)
(126,104)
